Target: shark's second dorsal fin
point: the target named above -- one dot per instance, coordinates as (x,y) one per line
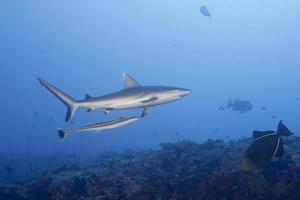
(87,96)
(129,82)
(258,134)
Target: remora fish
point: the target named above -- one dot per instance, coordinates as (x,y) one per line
(132,96)
(97,127)
(266,144)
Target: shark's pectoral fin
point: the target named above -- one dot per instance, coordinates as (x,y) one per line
(147,110)
(279,149)
(129,82)
(149,100)
(107,110)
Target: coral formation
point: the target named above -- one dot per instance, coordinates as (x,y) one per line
(183,170)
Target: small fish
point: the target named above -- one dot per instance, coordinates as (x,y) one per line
(97,127)
(221,108)
(264,108)
(266,145)
(35,114)
(273,117)
(205,12)
(298,98)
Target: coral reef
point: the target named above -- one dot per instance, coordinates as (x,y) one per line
(183,170)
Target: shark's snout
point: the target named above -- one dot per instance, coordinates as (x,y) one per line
(184,92)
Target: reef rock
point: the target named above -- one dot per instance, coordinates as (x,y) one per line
(183,170)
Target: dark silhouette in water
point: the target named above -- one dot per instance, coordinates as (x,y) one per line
(205,12)
(266,144)
(239,105)
(35,114)
(264,108)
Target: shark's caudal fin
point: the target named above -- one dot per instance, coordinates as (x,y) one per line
(61,133)
(282,130)
(71,104)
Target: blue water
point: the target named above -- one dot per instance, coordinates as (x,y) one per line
(248,50)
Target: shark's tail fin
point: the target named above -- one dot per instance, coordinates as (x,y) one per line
(282,130)
(71,104)
(61,133)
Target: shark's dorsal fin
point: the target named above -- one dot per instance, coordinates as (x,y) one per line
(87,96)
(129,82)
(258,134)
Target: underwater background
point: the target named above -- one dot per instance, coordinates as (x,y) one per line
(247,50)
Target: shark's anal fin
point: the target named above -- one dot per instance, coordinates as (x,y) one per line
(149,100)
(279,149)
(129,82)
(258,134)
(147,110)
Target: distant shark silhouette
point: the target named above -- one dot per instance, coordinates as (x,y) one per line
(132,96)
